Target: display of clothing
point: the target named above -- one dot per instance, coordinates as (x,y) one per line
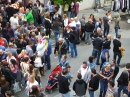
(120,4)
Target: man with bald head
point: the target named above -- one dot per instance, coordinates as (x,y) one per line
(89,27)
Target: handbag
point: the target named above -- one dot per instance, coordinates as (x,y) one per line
(16,87)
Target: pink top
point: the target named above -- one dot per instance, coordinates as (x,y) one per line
(14,68)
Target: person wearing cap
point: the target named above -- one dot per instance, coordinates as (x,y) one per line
(14,21)
(60,48)
(12,50)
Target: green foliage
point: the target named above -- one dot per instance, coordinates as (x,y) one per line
(62,2)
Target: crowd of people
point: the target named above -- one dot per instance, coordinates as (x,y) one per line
(25,50)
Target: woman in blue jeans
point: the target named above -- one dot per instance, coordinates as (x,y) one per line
(106,74)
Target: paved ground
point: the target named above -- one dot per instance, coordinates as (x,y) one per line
(84,51)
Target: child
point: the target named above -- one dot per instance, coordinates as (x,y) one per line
(69,76)
(38,64)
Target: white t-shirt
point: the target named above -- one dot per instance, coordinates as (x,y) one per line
(14,22)
(29,85)
(8,59)
(66,22)
(38,61)
(24,67)
(109,17)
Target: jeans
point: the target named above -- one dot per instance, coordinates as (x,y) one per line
(119,57)
(59,57)
(67,44)
(116,31)
(96,53)
(106,30)
(15,75)
(69,14)
(23,79)
(66,95)
(87,37)
(36,22)
(103,60)
(48,61)
(73,48)
(57,35)
(91,93)
(121,87)
(42,20)
(103,87)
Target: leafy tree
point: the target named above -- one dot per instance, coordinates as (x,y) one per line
(62,2)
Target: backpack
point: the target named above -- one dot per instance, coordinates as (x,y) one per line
(77,41)
(80,87)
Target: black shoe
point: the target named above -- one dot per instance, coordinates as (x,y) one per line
(98,63)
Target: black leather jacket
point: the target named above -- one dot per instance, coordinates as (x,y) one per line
(63,48)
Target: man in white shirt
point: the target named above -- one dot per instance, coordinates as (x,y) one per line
(14,21)
(85,72)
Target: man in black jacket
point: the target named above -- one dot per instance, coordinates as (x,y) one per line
(79,85)
(97,43)
(64,84)
(10,11)
(35,12)
(89,27)
(124,79)
(94,83)
(60,48)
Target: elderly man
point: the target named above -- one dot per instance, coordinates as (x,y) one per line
(85,71)
(60,48)
(82,21)
(78,24)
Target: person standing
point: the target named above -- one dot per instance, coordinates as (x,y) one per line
(93,83)
(64,84)
(117,49)
(85,71)
(117,26)
(36,14)
(126,90)
(89,27)
(29,16)
(124,79)
(106,74)
(82,21)
(60,48)
(30,51)
(97,43)
(112,90)
(79,85)
(106,25)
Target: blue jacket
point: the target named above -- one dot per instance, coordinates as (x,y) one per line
(49,48)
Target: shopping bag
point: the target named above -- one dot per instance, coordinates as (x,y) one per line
(16,87)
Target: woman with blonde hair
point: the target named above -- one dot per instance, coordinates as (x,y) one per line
(9,57)
(65,18)
(37,75)
(106,74)
(31,82)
